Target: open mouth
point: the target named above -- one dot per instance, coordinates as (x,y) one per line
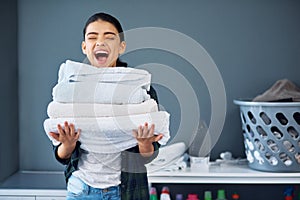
(101,55)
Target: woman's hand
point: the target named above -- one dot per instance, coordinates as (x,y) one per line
(68,137)
(145,137)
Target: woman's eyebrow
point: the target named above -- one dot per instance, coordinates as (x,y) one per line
(105,33)
(109,33)
(92,33)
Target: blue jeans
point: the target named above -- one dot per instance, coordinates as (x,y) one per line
(77,189)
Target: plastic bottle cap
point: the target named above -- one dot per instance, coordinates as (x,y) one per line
(153,190)
(165,189)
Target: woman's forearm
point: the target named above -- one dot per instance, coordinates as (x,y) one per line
(65,151)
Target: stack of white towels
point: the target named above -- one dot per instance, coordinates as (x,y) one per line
(106,104)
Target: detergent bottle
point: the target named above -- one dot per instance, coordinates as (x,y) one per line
(153,194)
(165,193)
(221,195)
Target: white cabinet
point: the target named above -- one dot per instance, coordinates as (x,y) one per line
(34,185)
(19,196)
(50,198)
(16,198)
(33,194)
(27,185)
(227,174)
(241,179)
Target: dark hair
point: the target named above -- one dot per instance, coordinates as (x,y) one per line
(111,19)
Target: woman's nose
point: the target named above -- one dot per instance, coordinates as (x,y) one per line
(100,42)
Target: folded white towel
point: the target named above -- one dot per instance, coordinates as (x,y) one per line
(57,110)
(83,83)
(169,156)
(111,134)
(93,92)
(175,165)
(72,71)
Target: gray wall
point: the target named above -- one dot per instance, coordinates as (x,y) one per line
(9,140)
(253,43)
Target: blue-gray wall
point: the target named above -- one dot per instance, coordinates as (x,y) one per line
(252,42)
(9,140)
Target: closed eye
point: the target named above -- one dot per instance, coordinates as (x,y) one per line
(92,38)
(110,36)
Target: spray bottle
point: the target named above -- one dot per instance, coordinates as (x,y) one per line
(165,193)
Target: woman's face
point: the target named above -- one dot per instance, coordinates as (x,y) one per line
(102,44)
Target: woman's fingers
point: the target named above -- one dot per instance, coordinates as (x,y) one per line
(66,133)
(72,130)
(151,131)
(60,130)
(66,128)
(54,135)
(144,132)
(139,131)
(77,134)
(148,132)
(158,137)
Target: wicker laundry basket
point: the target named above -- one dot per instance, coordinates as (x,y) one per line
(271,135)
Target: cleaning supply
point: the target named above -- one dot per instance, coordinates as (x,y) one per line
(289,193)
(288,198)
(192,197)
(179,197)
(207,195)
(235,196)
(165,193)
(153,193)
(221,195)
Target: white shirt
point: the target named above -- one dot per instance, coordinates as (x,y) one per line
(99,170)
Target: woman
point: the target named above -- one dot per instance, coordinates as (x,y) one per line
(110,176)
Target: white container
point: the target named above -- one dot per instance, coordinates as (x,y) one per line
(199,162)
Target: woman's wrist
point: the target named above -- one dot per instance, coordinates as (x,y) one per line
(146,150)
(65,150)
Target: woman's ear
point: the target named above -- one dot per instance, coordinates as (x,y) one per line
(83,47)
(122,47)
